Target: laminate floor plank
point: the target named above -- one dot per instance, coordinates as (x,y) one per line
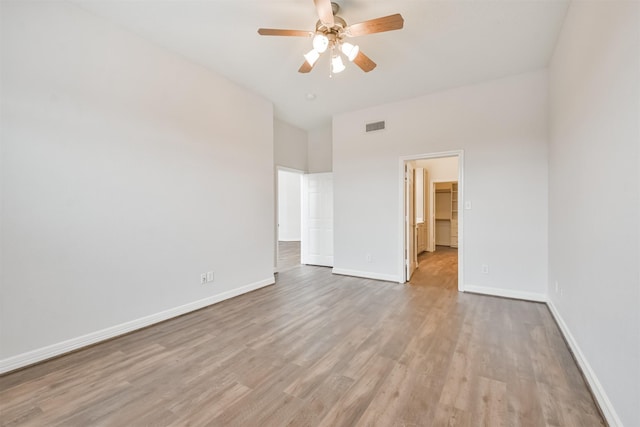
(348,410)
(288,254)
(323,399)
(319,349)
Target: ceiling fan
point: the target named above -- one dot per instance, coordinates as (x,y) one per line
(330,34)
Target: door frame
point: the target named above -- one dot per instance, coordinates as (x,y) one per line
(410,228)
(402,244)
(279,168)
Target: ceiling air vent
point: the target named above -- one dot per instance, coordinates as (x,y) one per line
(371,127)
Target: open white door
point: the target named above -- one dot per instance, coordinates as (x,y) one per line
(411,259)
(317,219)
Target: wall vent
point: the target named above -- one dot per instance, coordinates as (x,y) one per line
(371,127)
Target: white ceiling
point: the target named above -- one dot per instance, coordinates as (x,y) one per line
(444,44)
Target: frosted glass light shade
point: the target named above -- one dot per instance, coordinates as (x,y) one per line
(337,65)
(320,43)
(312,56)
(351,51)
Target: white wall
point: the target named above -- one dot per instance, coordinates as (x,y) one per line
(289,205)
(502,127)
(320,149)
(594,191)
(290,146)
(126,173)
(442,169)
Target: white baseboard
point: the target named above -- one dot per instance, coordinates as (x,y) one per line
(506,293)
(38,355)
(600,395)
(366,275)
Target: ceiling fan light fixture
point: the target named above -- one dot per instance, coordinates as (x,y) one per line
(320,42)
(337,65)
(351,51)
(312,56)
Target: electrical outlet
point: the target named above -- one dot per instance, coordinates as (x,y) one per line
(209,276)
(556,286)
(203,278)
(467,205)
(368,257)
(485,268)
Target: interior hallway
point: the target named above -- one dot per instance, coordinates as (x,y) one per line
(438,268)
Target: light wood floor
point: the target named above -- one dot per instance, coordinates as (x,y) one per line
(288,255)
(320,350)
(439,268)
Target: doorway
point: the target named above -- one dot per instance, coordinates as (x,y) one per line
(288,218)
(432,224)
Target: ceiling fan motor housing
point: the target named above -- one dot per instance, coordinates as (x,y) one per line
(335,7)
(339,25)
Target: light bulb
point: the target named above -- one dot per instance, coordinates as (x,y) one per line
(336,64)
(320,42)
(350,50)
(311,57)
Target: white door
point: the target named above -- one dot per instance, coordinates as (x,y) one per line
(411,260)
(317,219)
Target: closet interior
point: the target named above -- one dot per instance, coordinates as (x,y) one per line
(446,213)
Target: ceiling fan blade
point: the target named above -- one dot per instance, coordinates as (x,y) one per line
(277,32)
(378,25)
(364,62)
(305,67)
(325,11)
